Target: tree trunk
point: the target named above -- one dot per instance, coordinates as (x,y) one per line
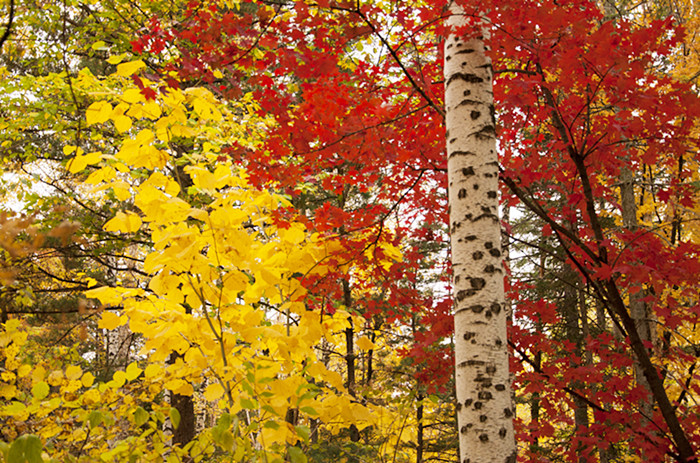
(419,437)
(638,308)
(350,355)
(484,407)
(184,404)
(574,334)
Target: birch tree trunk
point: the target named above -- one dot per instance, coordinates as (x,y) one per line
(484,407)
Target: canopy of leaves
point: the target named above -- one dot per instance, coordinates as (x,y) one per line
(244,203)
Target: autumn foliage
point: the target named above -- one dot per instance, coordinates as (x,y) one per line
(224,233)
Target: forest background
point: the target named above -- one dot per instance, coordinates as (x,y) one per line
(225,229)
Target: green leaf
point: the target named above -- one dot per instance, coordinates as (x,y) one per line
(247,387)
(216,435)
(99,45)
(140,416)
(95,418)
(304,432)
(271,425)
(32,449)
(227,441)
(40,390)
(248,404)
(239,453)
(16,453)
(296,455)
(224,421)
(309,411)
(174,417)
(25,449)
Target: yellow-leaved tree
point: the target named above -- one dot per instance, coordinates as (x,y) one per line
(218,317)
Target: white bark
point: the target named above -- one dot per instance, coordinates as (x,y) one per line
(484,408)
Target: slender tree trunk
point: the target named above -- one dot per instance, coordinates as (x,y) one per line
(574,334)
(369,372)
(484,407)
(419,436)
(638,308)
(350,356)
(535,404)
(617,308)
(603,452)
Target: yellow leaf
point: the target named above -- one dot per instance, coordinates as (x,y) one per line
(122,123)
(202,178)
(152,110)
(294,236)
(136,111)
(93,158)
(73,372)
(68,149)
(112,296)
(79,162)
(274,432)
(88,379)
(334,379)
(14,408)
(116,59)
(76,164)
(8,391)
(213,392)
(364,343)
(127,223)
(38,373)
(24,370)
(133,95)
(101,175)
(184,389)
(121,189)
(356,412)
(109,321)
(205,109)
(91,396)
(133,371)
(55,378)
(49,431)
(126,69)
(119,378)
(153,370)
(268,277)
(98,112)
(72,386)
(122,168)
